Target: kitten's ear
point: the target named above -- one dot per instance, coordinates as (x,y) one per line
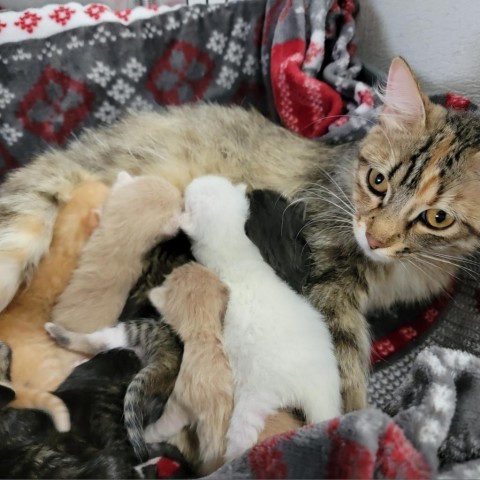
(241,187)
(95,217)
(186,222)
(123,178)
(158,298)
(404,102)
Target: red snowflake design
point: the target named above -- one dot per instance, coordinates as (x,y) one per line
(457,102)
(62,15)
(341,120)
(2,25)
(314,51)
(55,105)
(384,347)
(28,21)
(408,332)
(95,10)
(152,7)
(123,14)
(431,314)
(365,97)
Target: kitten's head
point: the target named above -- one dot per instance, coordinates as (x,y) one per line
(144,208)
(192,299)
(80,215)
(214,205)
(418,176)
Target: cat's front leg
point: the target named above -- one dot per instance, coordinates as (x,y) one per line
(29,203)
(340,304)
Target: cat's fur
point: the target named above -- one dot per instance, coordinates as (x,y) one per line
(283,421)
(38,365)
(279,346)
(193,302)
(139,212)
(438,148)
(160,352)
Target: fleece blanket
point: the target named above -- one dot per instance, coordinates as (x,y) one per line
(65,68)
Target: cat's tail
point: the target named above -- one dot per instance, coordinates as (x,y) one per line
(32,398)
(29,203)
(146,381)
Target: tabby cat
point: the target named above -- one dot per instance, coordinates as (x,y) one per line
(38,366)
(388,218)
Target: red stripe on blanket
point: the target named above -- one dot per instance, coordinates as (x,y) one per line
(305,105)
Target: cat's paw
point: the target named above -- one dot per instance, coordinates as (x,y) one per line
(58,333)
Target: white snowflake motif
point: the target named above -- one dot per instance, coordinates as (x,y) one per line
(139,104)
(172,23)
(150,30)
(134,69)
(6,96)
(101,74)
(250,66)
(102,35)
(49,50)
(191,14)
(10,134)
(443,398)
(127,33)
(107,113)
(241,29)
(234,53)
(227,77)
(75,42)
(21,54)
(431,431)
(213,8)
(217,41)
(121,91)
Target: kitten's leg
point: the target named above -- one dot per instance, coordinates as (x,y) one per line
(248,420)
(37,399)
(29,202)
(89,343)
(173,419)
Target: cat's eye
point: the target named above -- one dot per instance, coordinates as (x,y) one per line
(437,219)
(377,182)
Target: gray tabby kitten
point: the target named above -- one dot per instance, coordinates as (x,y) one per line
(388,219)
(160,352)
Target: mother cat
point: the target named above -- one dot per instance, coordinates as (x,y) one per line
(388,219)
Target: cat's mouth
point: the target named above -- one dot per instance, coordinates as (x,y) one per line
(382,255)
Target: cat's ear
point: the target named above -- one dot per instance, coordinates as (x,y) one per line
(122,179)
(403,101)
(241,187)
(158,298)
(95,217)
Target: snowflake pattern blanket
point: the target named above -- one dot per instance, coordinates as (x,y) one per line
(65,68)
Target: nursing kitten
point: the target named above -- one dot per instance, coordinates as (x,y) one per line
(38,366)
(279,346)
(139,212)
(411,185)
(193,302)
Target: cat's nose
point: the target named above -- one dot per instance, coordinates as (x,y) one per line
(373,243)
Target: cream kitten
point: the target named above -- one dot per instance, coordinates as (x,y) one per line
(279,347)
(139,213)
(193,302)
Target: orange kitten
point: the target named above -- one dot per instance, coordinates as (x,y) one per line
(38,364)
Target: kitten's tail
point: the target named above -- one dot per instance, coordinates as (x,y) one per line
(148,379)
(32,398)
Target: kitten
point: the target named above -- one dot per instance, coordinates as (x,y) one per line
(411,185)
(279,347)
(139,212)
(283,421)
(193,302)
(160,352)
(38,366)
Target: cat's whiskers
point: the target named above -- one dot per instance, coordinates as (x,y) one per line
(318,196)
(468,271)
(340,189)
(459,258)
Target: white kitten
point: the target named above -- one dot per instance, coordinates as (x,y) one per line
(280,349)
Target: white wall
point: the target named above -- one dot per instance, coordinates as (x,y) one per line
(439,38)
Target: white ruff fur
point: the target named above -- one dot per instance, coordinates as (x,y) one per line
(279,347)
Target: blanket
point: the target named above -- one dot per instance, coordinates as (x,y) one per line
(63,69)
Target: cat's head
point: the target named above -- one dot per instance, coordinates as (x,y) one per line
(417,180)
(192,299)
(214,205)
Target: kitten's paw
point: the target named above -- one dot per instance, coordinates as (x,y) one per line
(58,333)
